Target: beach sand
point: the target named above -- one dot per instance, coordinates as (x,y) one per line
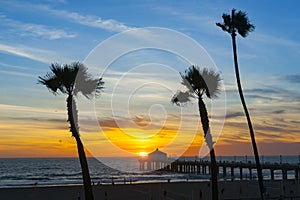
(152,191)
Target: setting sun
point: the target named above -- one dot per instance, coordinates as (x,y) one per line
(143,154)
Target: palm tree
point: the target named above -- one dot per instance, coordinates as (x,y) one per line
(238,22)
(200,82)
(61,79)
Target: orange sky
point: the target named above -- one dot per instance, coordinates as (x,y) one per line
(51,138)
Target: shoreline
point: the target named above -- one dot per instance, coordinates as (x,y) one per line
(236,189)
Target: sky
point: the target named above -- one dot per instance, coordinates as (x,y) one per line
(134,110)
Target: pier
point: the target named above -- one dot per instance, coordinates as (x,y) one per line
(154,161)
(226,169)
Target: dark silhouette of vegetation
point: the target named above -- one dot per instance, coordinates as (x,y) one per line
(61,79)
(238,22)
(200,83)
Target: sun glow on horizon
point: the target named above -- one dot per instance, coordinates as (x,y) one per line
(143,154)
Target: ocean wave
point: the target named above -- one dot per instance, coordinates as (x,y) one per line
(28,172)
(64,174)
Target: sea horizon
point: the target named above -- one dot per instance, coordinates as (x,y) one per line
(284,155)
(19,172)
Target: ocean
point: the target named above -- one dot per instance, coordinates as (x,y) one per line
(19,172)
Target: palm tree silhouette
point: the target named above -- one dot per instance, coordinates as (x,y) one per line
(200,82)
(61,79)
(238,22)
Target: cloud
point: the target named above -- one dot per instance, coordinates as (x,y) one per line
(87,20)
(275,125)
(295,122)
(256,90)
(75,17)
(39,119)
(271,136)
(44,56)
(17,73)
(262,90)
(6,108)
(13,66)
(268,94)
(292,78)
(57,1)
(139,122)
(229,147)
(43,31)
(22,51)
(207,22)
(274,40)
(235,114)
(278,112)
(259,97)
(37,30)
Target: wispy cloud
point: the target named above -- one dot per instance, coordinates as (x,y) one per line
(234,115)
(278,112)
(16,73)
(263,90)
(50,33)
(274,40)
(44,56)
(13,66)
(75,17)
(36,30)
(87,20)
(22,51)
(254,96)
(29,109)
(292,78)
(190,17)
(57,1)
(142,122)
(92,21)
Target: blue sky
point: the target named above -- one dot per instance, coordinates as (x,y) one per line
(34,34)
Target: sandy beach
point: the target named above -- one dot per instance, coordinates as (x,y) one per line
(176,190)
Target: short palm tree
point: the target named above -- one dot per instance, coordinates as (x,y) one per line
(200,83)
(238,22)
(61,79)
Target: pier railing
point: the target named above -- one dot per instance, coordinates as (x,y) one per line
(225,167)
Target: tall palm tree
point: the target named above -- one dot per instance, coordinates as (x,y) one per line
(61,79)
(239,22)
(200,82)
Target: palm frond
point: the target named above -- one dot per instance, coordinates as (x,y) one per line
(68,76)
(227,20)
(237,21)
(86,84)
(192,80)
(212,81)
(99,86)
(223,27)
(226,25)
(51,82)
(56,69)
(201,81)
(181,97)
(63,77)
(186,83)
(242,24)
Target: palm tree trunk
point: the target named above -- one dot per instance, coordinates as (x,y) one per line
(258,166)
(73,120)
(208,139)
